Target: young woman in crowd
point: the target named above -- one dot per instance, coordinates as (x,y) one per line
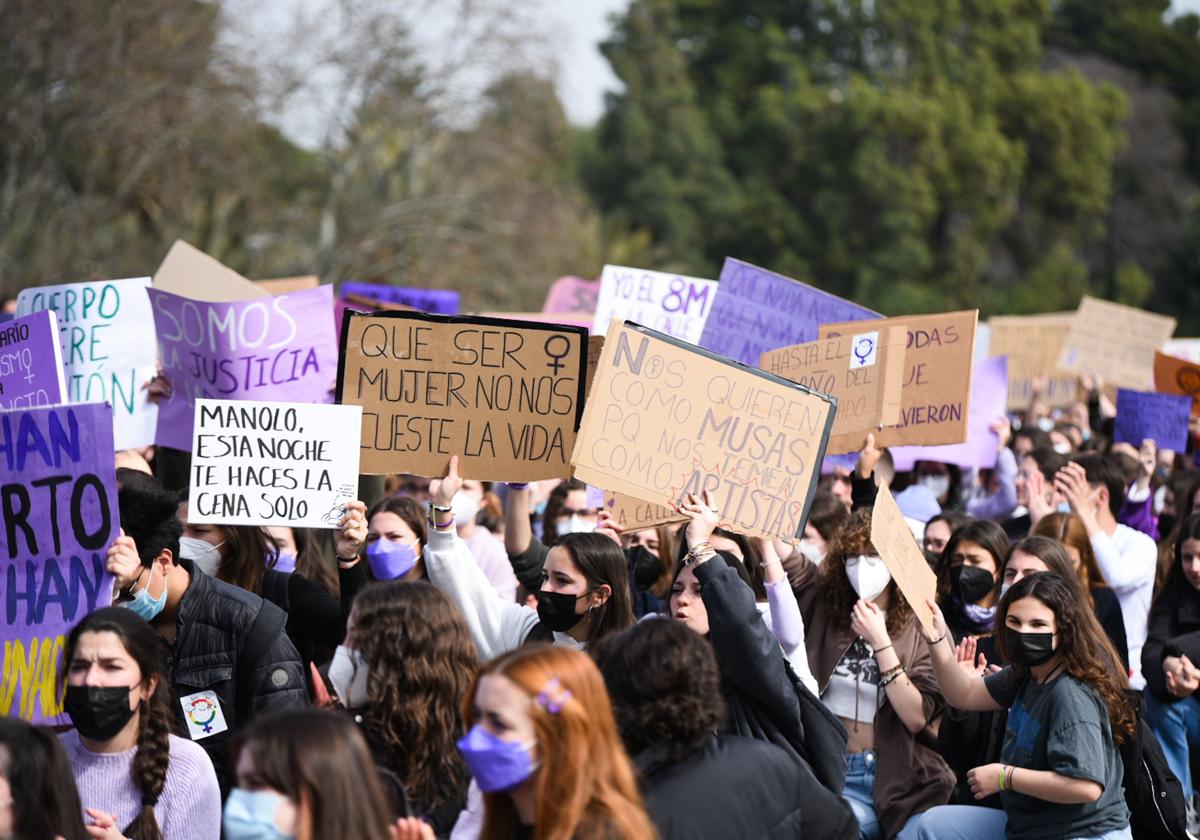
(38,800)
(651,553)
(938,530)
(397,532)
(968,577)
(825,516)
(305,774)
(543,748)
(1060,771)
(403,672)
(135,778)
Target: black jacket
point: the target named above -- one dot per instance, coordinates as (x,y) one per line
(215,624)
(1173,630)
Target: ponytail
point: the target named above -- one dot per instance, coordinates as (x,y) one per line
(150,764)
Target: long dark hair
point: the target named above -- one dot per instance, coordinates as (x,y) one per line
(244,555)
(982,532)
(554,506)
(45,803)
(149,650)
(1176,585)
(601,561)
(1084,648)
(852,540)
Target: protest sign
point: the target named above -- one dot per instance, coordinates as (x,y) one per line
(108,349)
(1115,341)
(189,272)
(1177,376)
(936,390)
(666,419)
(1162,418)
(273,463)
(1033,345)
(863,371)
(572,294)
(575,319)
(636,515)
(1187,349)
(59,492)
(595,348)
(670,303)
(899,551)
(756,310)
(505,396)
(436,301)
(283,285)
(982,445)
(31,368)
(280,348)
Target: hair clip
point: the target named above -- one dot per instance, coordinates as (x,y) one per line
(553,697)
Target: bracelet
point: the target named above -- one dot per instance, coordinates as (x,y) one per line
(440,508)
(440,528)
(348,564)
(1000,782)
(939,639)
(882,649)
(890,676)
(694,553)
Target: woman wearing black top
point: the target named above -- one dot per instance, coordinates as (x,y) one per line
(968,577)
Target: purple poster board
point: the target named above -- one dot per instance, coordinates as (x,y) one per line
(280,349)
(571,294)
(60,511)
(756,310)
(31,369)
(1162,418)
(989,393)
(436,301)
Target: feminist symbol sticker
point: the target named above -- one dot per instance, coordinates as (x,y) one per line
(863,350)
(202,711)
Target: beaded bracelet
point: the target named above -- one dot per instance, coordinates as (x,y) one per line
(891,676)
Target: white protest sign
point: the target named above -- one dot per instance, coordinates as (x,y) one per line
(273,463)
(670,303)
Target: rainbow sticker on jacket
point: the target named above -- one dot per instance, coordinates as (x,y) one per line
(202,712)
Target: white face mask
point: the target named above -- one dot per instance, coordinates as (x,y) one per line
(576,525)
(939,485)
(868,575)
(348,674)
(809,551)
(464,508)
(205,555)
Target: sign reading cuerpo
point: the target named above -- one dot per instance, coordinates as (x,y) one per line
(268,463)
(31,369)
(506,396)
(670,303)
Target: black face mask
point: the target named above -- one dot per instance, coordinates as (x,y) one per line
(1166,524)
(98,713)
(557,610)
(932,557)
(643,567)
(971,583)
(1029,649)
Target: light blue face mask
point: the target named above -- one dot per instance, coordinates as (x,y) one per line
(144,605)
(250,815)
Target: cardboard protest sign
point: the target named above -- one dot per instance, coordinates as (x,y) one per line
(898,549)
(1033,345)
(1116,341)
(189,272)
(571,319)
(982,445)
(936,392)
(636,515)
(864,371)
(1176,376)
(756,310)
(505,396)
(572,294)
(108,349)
(282,285)
(31,368)
(280,348)
(273,463)
(666,419)
(60,515)
(595,348)
(1162,418)
(670,303)
(436,301)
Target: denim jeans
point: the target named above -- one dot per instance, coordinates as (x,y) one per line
(1177,726)
(860,793)
(968,822)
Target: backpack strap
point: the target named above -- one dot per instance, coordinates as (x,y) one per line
(267,627)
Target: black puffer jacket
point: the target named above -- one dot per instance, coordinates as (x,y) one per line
(216,626)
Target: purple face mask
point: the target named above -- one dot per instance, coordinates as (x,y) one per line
(390,560)
(285,561)
(495,764)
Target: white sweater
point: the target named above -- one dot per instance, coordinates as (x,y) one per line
(1128,559)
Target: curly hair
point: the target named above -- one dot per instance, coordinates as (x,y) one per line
(421,659)
(836,592)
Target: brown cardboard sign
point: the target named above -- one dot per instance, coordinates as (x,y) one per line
(505,396)
(1116,341)
(894,541)
(1033,345)
(282,285)
(636,515)
(666,418)
(935,397)
(189,272)
(595,348)
(1177,376)
(864,371)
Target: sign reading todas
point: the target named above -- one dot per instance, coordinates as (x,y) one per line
(755,311)
(1116,341)
(670,303)
(108,349)
(59,497)
(436,301)
(268,463)
(274,348)
(665,419)
(505,396)
(1162,418)
(31,369)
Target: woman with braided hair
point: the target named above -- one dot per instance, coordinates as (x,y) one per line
(136,780)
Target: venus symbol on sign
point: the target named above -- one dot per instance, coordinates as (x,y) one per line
(557,364)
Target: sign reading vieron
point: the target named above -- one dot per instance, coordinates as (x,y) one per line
(505,396)
(268,463)
(665,419)
(59,496)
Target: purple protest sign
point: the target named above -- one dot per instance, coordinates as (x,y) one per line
(572,294)
(756,310)
(31,368)
(989,393)
(832,463)
(1162,418)
(436,301)
(279,348)
(60,511)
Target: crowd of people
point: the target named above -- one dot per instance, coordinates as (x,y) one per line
(476,660)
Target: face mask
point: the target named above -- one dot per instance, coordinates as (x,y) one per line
(932,558)
(143,605)
(1166,524)
(250,815)
(556,610)
(810,552)
(868,575)
(1045,424)
(205,555)
(348,674)
(643,566)
(285,561)
(938,485)
(1029,649)
(390,560)
(971,582)
(575,525)
(98,712)
(495,764)
(1063,507)
(979,616)
(465,508)
(1062,448)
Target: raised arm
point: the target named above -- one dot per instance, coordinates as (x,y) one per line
(962,690)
